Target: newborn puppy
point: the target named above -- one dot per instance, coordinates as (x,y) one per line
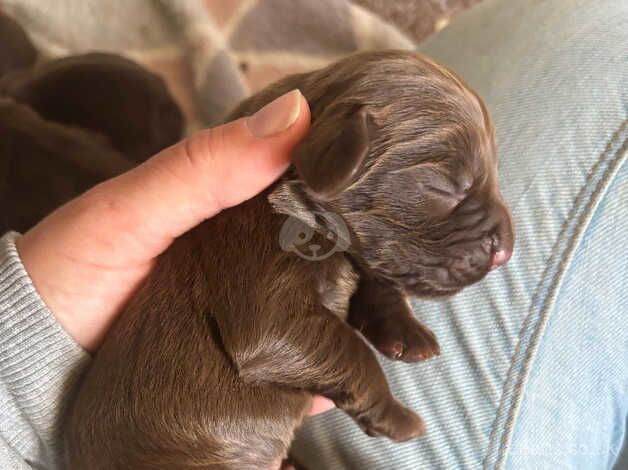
(214,361)
(16,49)
(103,93)
(45,164)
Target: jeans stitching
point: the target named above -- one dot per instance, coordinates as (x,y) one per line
(600,176)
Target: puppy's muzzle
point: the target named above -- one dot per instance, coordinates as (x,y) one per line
(477,238)
(488,221)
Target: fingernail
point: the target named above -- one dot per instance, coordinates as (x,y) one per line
(276,116)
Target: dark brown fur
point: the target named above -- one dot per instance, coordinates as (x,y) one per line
(214,362)
(90,116)
(44,164)
(103,93)
(16,49)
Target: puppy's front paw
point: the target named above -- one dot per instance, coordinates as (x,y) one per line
(403,339)
(398,423)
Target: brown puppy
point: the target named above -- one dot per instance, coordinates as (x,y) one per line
(214,361)
(45,164)
(16,49)
(104,93)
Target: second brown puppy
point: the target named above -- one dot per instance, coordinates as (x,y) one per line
(44,164)
(214,362)
(105,94)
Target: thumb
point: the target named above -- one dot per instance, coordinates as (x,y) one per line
(209,171)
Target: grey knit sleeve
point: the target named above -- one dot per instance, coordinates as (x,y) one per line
(39,364)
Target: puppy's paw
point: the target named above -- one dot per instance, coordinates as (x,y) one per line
(407,340)
(398,424)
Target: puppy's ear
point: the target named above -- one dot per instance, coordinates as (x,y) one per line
(328,168)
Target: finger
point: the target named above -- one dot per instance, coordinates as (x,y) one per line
(320,405)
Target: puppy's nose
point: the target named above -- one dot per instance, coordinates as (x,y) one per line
(503,238)
(500,257)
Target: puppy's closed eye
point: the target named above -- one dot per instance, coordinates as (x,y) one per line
(436,194)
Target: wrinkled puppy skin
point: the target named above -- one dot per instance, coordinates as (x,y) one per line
(45,164)
(16,49)
(214,361)
(104,93)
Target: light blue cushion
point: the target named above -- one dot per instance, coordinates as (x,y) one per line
(534,365)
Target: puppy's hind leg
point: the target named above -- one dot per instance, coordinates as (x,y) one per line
(383,315)
(323,355)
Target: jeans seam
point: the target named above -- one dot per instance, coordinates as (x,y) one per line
(586,202)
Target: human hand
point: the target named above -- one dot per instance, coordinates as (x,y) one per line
(88,257)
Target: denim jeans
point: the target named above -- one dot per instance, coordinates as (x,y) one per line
(533,372)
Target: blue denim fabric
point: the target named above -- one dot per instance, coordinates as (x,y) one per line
(533,371)
(575,400)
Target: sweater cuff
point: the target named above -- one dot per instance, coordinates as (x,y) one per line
(39,364)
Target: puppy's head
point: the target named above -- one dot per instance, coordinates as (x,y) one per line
(404,152)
